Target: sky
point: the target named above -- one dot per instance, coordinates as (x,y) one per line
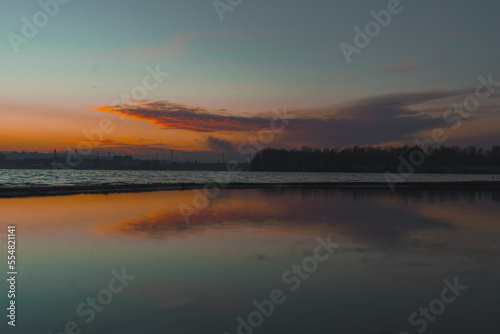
(202,77)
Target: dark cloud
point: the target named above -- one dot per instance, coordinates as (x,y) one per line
(219,144)
(369,121)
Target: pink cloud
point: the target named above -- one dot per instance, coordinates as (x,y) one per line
(179,44)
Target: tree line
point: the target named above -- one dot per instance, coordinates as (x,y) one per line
(369,159)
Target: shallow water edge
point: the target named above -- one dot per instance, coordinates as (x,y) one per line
(16,192)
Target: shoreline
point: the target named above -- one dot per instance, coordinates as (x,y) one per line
(42,191)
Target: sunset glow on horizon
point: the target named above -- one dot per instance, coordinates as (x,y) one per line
(163,83)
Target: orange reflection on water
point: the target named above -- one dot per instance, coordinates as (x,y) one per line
(366,216)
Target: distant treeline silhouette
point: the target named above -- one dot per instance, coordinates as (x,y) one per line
(380,159)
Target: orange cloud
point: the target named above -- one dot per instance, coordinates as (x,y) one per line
(398,117)
(178,116)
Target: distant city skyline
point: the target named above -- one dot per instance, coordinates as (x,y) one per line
(177,156)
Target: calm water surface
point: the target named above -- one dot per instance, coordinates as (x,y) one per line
(34,177)
(395,251)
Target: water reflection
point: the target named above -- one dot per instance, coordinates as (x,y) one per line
(396,250)
(360,214)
